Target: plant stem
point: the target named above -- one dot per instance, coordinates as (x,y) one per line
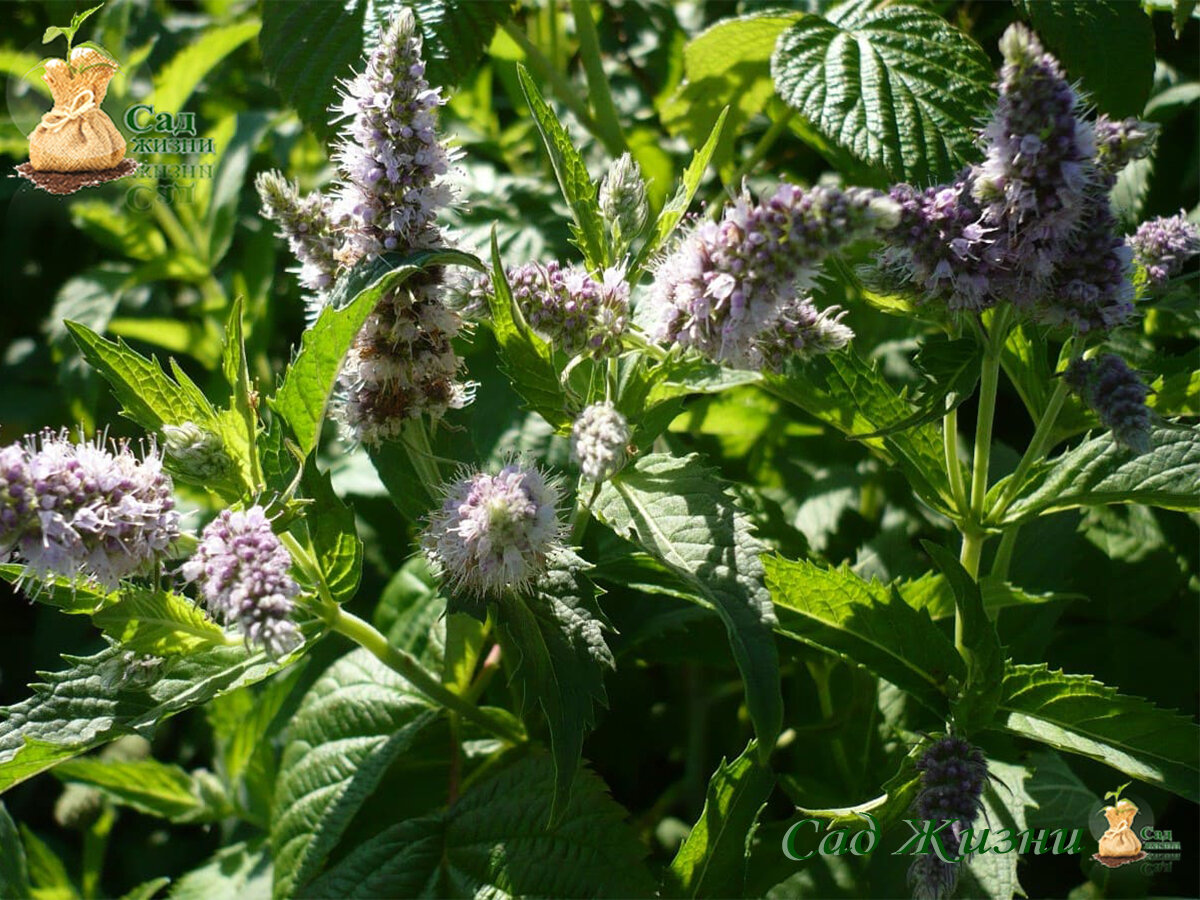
(1004,553)
(989,383)
(546,70)
(406,665)
(953,466)
(602,103)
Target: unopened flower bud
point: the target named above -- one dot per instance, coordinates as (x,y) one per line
(78,806)
(623,200)
(195,453)
(599,440)
(1117,395)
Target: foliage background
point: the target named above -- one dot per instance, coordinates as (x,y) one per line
(1128,576)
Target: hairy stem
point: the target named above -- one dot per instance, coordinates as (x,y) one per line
(406,665)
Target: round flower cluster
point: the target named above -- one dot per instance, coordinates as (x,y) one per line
(402,363)
(194,452)
(495,532)
(571,308)
(953,775)
(1164,245)
(1117,395)
(241,571)
(306,224)
(84,510)
(391,161)
(599,441)
(735,289)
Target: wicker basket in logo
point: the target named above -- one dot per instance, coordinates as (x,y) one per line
(76,135)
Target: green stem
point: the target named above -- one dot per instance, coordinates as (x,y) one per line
(602,103)
(406,665)
(953,466)
(989,383)
(972,550)
(1004,553)
(95,847)
(821,671)
(546,70)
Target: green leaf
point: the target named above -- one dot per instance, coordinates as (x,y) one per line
(147,785)
(526,359)
(308,383)
(175,82)
(492,843)
(146,394)
(353,723)
(307,45)
(865,623)
(72,598)
(54,31)
(711,862)
(578,189)
(1024,358)
(976,704)
(456,34)
(47,873)
(556,636)
(887,809)
(199,340)
(14,869)
(932,592)
(106,696)
(951,370)
(1005,801)
(675,208)
(1059,793)
(147,890)
(333,533)
(681,513)
(726,66)
(897,86)
(410,612)
(1100,471)
(158,623)
(1088,37)
(135,236)
(1077,714)
(242,870)
(78,18)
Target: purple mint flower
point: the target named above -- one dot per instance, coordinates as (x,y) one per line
(83,510)
(932,879)
(389,155)
(1118,143)
(402,363)
(575,311)
(241,571)
(599,441)
(495,532)
(1164,245)
(1117,395)
(736,289)
(307,225)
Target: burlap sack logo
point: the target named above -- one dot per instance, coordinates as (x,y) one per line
(1119,845)
(76,144)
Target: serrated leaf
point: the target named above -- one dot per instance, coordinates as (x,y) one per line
(456,34)
(353,723)
(146,394)
(680,513)
(525,358)
(308,383)
(932,592)
(897,86)
(576,184)
(712,860)
(1059,793)
(981,645)
(410,613)
(493,843)
(147,785)
(242,870)
(333,534)
(556,636)
(14,869)
(158,623)
(674,209)
(951,370)
(1005,800)
(101,698)
(1100,471)
(1088,37)
(175,82)
(1077,714)
(866,623)
(307,45)
(888,808)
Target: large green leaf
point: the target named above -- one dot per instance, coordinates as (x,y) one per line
(950,368)
(897,86)
(577,187)
(174,82)
(1100,471)
(158,623)
(307,45)
(711,862)
(1005,801)
(493,843)
(126,232)
(47,872)
(1089,38)
(147,785)
(457,34)
(681,513)
(866,623)
(14,869)
(333,533)
(304,393)
(556,635)
(1078,714)
(108,695)
(353,723)
(241,870)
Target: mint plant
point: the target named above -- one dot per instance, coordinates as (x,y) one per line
(676,491)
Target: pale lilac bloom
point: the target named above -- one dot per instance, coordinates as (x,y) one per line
(1164,245)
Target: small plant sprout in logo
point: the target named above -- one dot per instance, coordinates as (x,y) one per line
(1119,844)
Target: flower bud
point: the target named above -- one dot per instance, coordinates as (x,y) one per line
(1117,395)
(599,440)
(623,201)
(195,453)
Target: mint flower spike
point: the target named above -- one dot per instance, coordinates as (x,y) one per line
(306,223)
(1164,245)
(736,290)
(241,571)
(90,510)
(577,312)
(390,159)
(599,441)
(1117,395)
(495,533)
